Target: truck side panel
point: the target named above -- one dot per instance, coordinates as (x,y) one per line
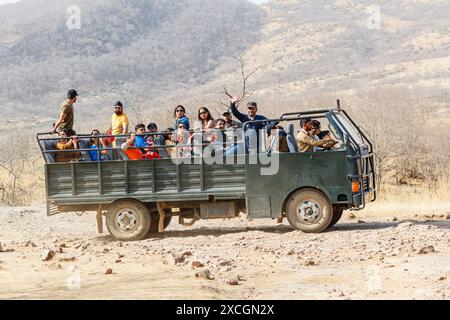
(147,181)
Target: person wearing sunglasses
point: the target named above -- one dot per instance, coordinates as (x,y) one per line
(205,118)
(181,118)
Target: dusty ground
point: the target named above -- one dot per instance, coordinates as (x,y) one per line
(384,252)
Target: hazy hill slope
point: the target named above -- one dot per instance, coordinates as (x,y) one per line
(156,53)
(134,46)
(315,48)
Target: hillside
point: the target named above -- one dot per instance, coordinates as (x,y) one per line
(311,49)
(124,49)
(155,54)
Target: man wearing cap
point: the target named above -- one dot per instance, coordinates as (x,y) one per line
(229,122)
(252,129)
(66,112)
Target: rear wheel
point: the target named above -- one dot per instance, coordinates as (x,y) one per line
(309,210)
(128,220)
(337,215)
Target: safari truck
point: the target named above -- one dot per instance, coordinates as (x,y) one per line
(138,197)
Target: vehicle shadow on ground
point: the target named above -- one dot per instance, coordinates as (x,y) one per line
(217,232)
(375,225)
(282,229)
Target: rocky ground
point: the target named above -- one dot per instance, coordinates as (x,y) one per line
(380,253)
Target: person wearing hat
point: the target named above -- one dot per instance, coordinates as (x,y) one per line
(66,112)
(252,129)
(229,122)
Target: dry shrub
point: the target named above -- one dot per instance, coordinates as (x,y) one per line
(21,170)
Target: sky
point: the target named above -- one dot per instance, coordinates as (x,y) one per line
(11,1)
(7,1)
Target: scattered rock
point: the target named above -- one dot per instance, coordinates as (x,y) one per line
(394,219)
(120,255)
(425,250)
(174,259)
(405,225)
(197,264)
(309,262)
(441,278)
(106,250)
(109,271)
(54,266)
(224,263)
(47,255)
(1,248)
(62,245)
(205,274)
(187,254)
(118,261)
(447,216)
(361,221)
(78,246)
(351,215)
(67,257)
(119,244)
(234,281)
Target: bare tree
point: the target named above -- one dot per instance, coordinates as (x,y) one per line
(245,76)
(19,160)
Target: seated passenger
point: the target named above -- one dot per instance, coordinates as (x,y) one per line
(169,141)
(278,132)
(306,141)
(315,133)
(323,135)
(94,145)
(219,143)
(136,140)
(69,141)
(182,138)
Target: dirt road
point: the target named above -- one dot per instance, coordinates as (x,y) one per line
(381,253)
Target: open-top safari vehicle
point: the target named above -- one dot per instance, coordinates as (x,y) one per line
(310,189)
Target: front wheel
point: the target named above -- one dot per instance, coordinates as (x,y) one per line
(128,220)
(309,210)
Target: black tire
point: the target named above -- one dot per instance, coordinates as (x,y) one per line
(128,220)
(337,215)
(309,210)
(155,222)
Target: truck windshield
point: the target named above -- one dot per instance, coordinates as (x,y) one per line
(350,128)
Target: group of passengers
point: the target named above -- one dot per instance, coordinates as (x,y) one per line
(177,141)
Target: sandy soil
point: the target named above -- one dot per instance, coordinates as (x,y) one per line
(384,252)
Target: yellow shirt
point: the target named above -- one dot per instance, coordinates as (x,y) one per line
(118,122)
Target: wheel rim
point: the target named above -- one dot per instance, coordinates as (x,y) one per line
(127,220)
(309,212)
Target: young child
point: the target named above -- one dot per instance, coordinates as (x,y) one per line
(94,145)
(135,141)
(136,147)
